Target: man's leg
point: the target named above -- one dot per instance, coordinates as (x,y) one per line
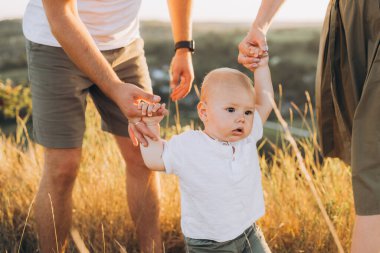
(54,197)
(143,197)
(366,234)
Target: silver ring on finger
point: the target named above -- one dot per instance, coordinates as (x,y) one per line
(136,123)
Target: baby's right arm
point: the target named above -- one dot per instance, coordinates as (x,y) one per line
(152,153)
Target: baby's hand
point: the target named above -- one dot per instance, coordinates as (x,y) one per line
(264,60)
(152,113)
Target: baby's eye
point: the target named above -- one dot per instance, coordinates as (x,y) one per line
(230,109)
(248,112)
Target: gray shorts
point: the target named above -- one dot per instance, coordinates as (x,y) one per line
(250,241)
(59,92)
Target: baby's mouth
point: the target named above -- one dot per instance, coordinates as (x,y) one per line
(239,130)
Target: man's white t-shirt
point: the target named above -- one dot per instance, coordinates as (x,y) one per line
(221,192)
(111,23)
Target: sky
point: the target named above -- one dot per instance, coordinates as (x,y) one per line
(208,10)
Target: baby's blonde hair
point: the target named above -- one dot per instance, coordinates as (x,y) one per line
(224,76)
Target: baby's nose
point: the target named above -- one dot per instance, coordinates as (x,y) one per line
(241,118)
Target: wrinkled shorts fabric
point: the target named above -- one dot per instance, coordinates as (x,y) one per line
(60,89)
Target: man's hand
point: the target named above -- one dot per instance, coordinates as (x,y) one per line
(181,74)
(252,48)
(150,114)
(127,96)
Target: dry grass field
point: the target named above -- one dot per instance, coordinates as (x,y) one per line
(293,221)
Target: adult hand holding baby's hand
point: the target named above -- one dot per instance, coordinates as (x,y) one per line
(253,48)
(152,113)
(138,126)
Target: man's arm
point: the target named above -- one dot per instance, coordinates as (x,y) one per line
(181,70)
(75,39)
(263,89)
(255,44)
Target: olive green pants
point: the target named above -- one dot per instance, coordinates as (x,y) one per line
(348,92)
(250,241)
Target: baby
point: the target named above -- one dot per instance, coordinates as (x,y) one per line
(218,168)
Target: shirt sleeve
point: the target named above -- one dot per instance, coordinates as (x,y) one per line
(257,128)
(172,155)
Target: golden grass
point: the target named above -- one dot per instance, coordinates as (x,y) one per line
(293,221)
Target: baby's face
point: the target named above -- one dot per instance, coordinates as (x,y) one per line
(229,113)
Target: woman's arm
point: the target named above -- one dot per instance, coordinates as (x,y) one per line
(255,43)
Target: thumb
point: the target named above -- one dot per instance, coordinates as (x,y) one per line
(148,97)
(263,45)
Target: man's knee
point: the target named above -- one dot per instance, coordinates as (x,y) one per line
(61,167)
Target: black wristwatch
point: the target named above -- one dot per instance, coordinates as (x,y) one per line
(189,44)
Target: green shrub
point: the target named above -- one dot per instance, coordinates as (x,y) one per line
(14,100)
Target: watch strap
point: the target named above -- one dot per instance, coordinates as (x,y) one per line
(189,44)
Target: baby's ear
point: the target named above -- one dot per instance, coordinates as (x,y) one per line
(202,111)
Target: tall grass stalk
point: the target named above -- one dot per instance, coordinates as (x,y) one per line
(80,245)
(26,222)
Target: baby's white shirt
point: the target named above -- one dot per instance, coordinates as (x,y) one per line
(221,192)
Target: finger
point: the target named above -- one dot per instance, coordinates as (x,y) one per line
(243,59)
(142,129)
(156,107)
(256,51)
(244,47)
(150,109)
(263,45)
(179,94)
(174,81)
(144,108)
(162,108)
(140,137)
(251,67)
(263,54)
(132,135)
(162,111)
(140,104)
(141,94)
(176,92)
(182,90)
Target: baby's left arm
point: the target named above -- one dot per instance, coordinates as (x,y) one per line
(263,89)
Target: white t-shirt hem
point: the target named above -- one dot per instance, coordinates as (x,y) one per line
(55,43)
